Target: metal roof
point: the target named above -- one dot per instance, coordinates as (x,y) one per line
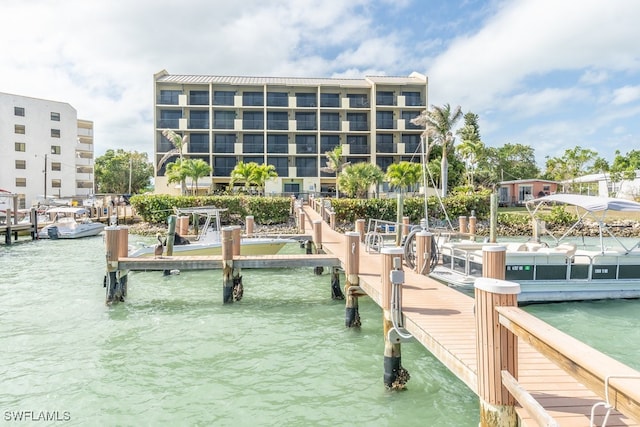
(164,77)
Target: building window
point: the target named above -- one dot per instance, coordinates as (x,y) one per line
(277,144)
(525,192)
(384,162)
(281,164)
(306,166)
(306,121)
(358,100)
(18,111)
(408,116)
(55,133)
(358,144)
(328,142)
(55,149)
(224,143)
(56,183)
(21,164)
(199,97)
(21,146)
(169,97)
(306,144)
(252,99)
(223,119)
(357,121)
(329,121)
(21,182)
(277,120)
(253,120)
(253,159)
(384,98)
(55,117)
(223,97)
(253,143)
(199,120)
(329,99)
(199,143)
(277,99)
(20,129)
(56,166)
(384,119)
(411,143)
(222,166)
(384,143)
(412,99)
(169,119)
(306,100)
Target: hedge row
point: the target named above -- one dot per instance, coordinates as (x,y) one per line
(156,208)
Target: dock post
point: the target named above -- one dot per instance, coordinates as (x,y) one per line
(497,348)
(462,221)
(249,224)
(423,252)
(332,220)
(227,265)
(238,289)
(494,258)
(360,228)
(317,243)
(7,236)
(352,286)
(171,236)
(473,221)
(406,225)
(182,224)
(301,225)
(117,242)
(34,224)
(493,220)
(395,376)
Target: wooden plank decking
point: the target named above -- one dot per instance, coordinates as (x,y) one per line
(214,262)
(442,320)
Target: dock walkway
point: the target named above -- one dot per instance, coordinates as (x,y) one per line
(443,321)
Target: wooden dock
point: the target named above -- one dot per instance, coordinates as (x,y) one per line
(443,321)
(214,262)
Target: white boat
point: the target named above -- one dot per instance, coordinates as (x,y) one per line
(209,240)
(562,272)
(69,223)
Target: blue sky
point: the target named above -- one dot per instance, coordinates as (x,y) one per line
(552,74)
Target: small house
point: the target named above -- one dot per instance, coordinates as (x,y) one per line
(515,193)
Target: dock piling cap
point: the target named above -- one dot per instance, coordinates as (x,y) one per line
(396,250)
(494,248)
(497,286)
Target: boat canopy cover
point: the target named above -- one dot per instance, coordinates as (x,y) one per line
(590,203)
(68,210)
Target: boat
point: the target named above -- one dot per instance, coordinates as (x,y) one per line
(208,241)
(69,223)
(557,270)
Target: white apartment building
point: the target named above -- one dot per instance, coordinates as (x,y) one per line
(289,123)
(45,151)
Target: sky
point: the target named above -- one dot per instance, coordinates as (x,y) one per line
(550,74)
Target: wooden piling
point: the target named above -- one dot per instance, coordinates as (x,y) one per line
(301,216)
(493,220)
(497,347)
(494,261)
(117,245)
(183,225)
(171,234)
(7,236)
(352,283)
(317,243)
(423,252)
(406,225)
(249,224)
(462,222)
(360,223)
(227,265)
(332,220)
(395,376)
(473,221)
(236,237)
(34,224)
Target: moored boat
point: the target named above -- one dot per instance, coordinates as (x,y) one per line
(560,271)
(70,223)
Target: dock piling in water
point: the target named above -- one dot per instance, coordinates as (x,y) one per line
(352,284)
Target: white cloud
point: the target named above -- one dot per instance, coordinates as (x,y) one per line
(626,95)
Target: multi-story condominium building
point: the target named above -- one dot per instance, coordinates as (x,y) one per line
(45,151)
(289,123)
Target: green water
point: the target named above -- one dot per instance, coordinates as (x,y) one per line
(173,354)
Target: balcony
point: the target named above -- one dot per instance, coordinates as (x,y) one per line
(199,124)
(168,123)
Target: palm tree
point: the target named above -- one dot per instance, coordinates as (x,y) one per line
(335,164)
(178,142)
(176,173)
(402,175)
(263,173)
(470,149)
(244,172)
(196,169)
(356,179)
(438,123)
